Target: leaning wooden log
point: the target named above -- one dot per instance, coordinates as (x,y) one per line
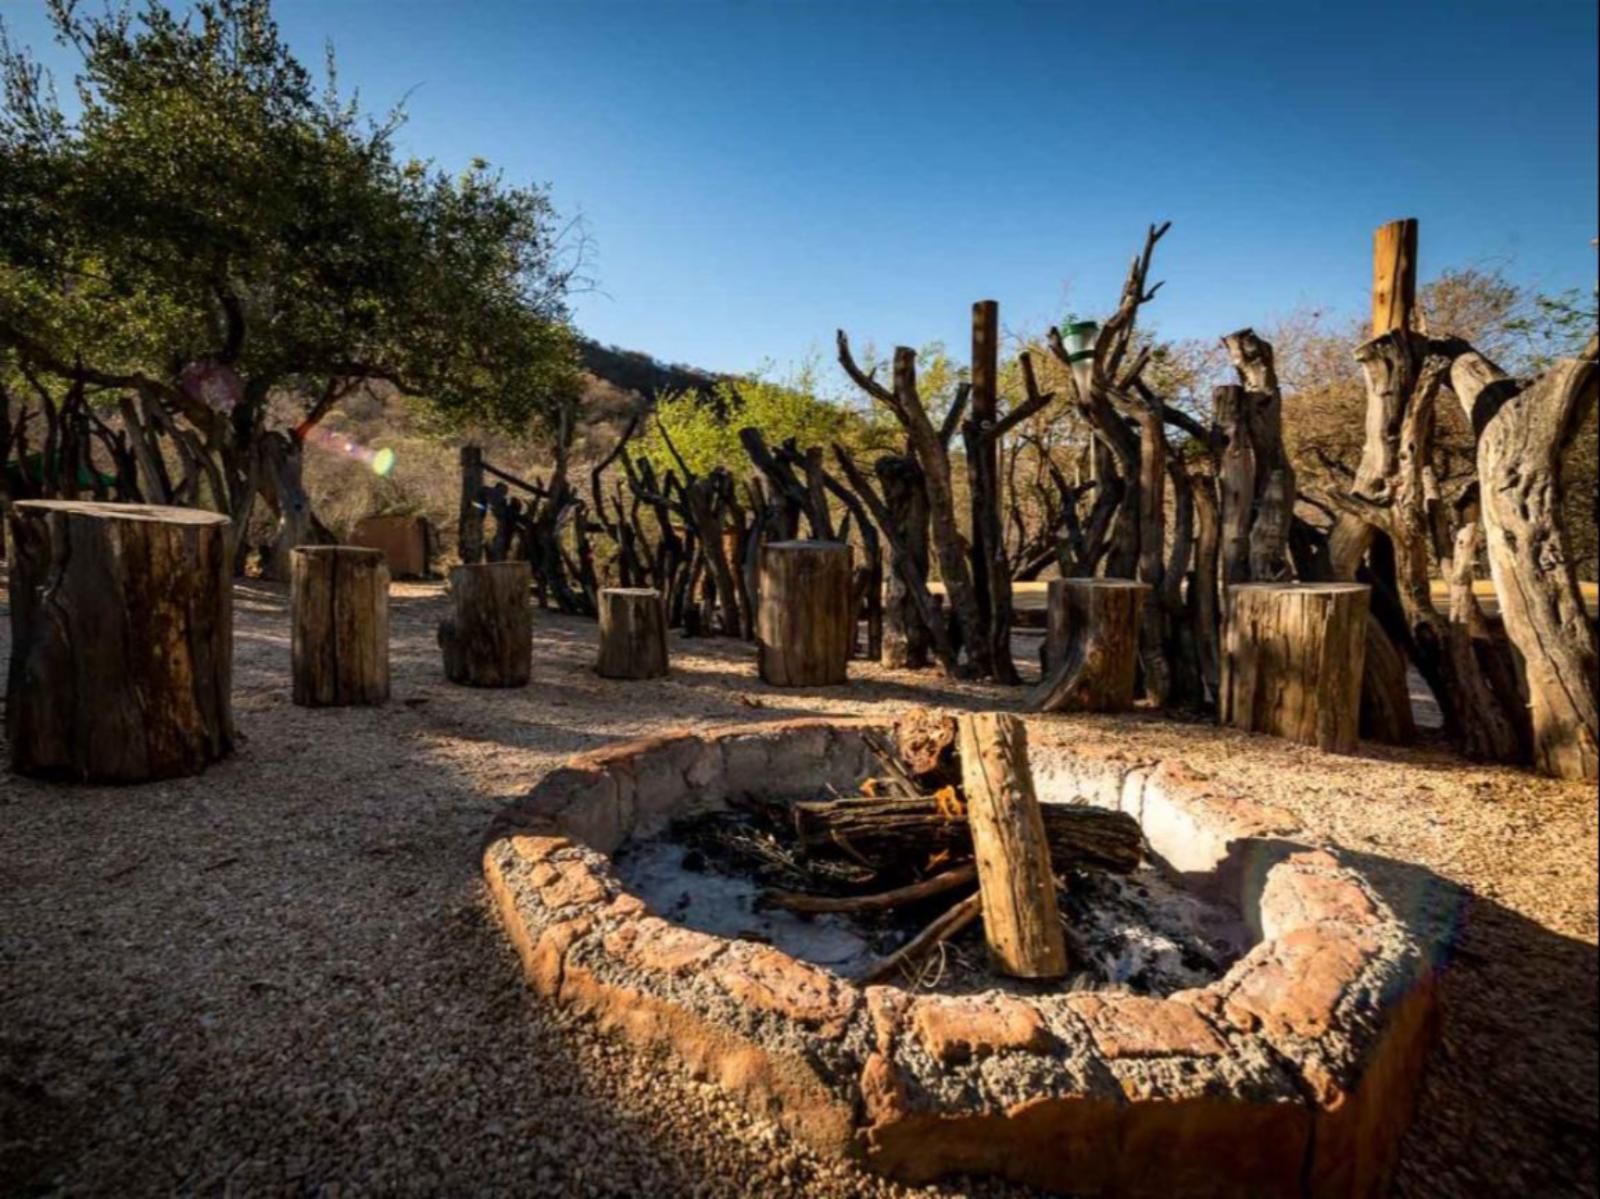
(633,633)
(881,901)
(895,829)
(121,641)
(805,624)
(1091,645)
(1292,661)
(339,609)
(942,929)
(488,641)
(1021,923)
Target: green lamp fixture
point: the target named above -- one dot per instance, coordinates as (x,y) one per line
(1078,336)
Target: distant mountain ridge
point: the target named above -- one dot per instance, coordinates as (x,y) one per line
(636,371)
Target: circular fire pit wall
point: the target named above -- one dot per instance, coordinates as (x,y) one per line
(1284,1060)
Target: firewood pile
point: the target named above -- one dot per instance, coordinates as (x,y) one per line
(950,814)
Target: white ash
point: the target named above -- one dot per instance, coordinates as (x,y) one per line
(1136,932)
(725,906)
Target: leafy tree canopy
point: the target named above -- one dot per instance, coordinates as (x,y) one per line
(208,201)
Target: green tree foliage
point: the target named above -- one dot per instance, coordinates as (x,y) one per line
(705,430)
(208,201)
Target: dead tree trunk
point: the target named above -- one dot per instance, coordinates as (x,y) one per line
(339,609)
(283,484)
(121,641)
(805,624)
(1292,661)
(469,525)
(1091,646)
(633,633)
(1522,429)
(489,640)
(1021,923)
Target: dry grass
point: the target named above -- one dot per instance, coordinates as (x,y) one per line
(283,976)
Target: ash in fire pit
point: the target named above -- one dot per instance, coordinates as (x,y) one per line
(719,872)
(848,883)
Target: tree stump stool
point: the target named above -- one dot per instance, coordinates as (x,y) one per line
(1292,660)
(489,640)
(805,623)
(121,641)
(1091,645)
(339,611)
(633,633)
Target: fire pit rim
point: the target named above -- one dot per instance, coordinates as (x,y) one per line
(1291,1057)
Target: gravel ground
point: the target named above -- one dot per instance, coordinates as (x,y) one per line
(284,977)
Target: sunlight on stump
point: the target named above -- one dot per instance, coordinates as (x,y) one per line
(1292,661)
(633,633)
(1091,646)
(488,641)
(339,611)
(121,641)
(805,623)
(1021,923)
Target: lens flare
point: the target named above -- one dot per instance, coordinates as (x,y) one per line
(379,461)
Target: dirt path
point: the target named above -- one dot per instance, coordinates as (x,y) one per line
(283,977)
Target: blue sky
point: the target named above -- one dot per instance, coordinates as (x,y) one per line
(755,175)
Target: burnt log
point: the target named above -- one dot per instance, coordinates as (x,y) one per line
(892,829)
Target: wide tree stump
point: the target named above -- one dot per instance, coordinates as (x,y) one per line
(339,610)
(1021,923)
(1292,661)
(488,642)
(633,633)
(406,541)
(1091,646)
(805,624)
(121,641)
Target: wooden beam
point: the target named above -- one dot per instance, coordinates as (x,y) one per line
(1394,276)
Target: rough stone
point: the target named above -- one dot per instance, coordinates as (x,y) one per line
(958,1029)
(1130,1026)
(775,982)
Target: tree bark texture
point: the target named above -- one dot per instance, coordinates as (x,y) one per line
(122,641)
(1021,923)
(1521,430)
(894,828)
(488,641)
(1292,661)
(805,624)
(1091,645)
(339,609)
(633,633)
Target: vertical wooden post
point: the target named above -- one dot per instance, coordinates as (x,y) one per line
(488,640)
(1021,922)
(804,622)
(633,633)
(985,402)
(339,612)
(1394,276)
(1292,661)
(469,525)
(121,641)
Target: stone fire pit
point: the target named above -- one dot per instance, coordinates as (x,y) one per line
(1294,1072)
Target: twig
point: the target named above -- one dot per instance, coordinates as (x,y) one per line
(796,901)
(945,927)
